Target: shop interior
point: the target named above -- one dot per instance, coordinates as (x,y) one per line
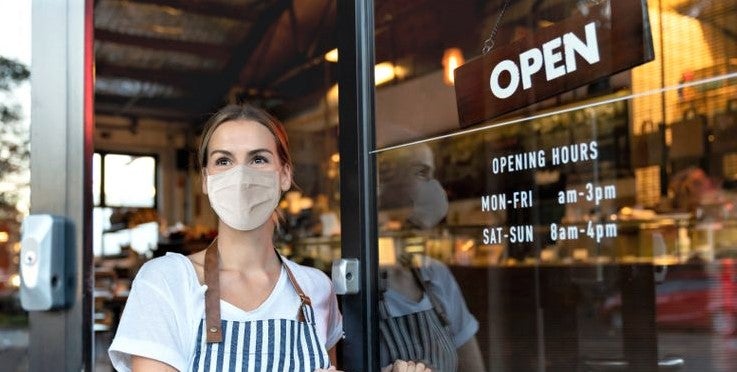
(666,171)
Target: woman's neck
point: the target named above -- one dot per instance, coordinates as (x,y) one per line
(247,250)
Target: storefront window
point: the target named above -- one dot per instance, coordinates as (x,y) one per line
(124,214)
(593,230)
(130,180)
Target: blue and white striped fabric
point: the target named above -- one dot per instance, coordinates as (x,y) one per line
(262,346)
(419,337)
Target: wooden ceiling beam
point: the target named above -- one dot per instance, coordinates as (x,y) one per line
(217,9)
(160,108)
(181,79)
(216,89)
(315,52)
(175,103)
(204,50)
(147,112)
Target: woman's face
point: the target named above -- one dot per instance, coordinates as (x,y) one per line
(400,171)
(243,142)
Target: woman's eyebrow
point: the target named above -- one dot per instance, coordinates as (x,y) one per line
(250,153)
(256,151)
(224,152)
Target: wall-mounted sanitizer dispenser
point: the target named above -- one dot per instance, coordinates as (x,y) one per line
(44,262)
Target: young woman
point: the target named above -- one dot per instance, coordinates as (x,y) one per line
(238,305)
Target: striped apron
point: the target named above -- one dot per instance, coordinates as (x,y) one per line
(259,345)
(422,336)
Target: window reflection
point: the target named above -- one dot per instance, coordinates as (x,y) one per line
(423,315)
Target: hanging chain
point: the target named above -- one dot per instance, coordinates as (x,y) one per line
(489,43)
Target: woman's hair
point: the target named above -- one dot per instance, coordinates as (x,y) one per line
(251,113)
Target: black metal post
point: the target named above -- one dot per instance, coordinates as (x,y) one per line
(357,180)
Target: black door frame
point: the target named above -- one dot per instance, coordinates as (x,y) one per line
(355,21)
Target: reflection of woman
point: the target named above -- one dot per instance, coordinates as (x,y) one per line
(407,182)
(424,317)
(238,305)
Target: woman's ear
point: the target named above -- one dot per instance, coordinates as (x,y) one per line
(203,176)
(286,178)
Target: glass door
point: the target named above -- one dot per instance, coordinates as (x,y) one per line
(588,231)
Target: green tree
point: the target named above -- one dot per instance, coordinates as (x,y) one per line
(14,139)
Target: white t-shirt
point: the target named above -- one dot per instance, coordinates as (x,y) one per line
(167,303)
(463,325)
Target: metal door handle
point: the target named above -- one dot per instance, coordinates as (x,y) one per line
(345,276)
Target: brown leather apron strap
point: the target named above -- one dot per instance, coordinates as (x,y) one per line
(305,299)
(212,295)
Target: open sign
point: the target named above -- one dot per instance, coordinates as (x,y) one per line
(611,37)
(548,54)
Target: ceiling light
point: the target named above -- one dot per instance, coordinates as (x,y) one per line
(332,95)
(400,72)
(332,56)
(452,58)
(383,73)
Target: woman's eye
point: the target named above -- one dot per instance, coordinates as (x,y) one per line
(258,159)
(424,173)
(222,161)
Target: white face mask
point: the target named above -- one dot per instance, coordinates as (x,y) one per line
(244,198)
(429,204)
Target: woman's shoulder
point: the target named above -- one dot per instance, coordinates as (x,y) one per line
(438,274)
(170,268)
(309,277)
(433,268)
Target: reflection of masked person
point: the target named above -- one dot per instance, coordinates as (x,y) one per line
(423,316)
(406,180)
(429,204)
